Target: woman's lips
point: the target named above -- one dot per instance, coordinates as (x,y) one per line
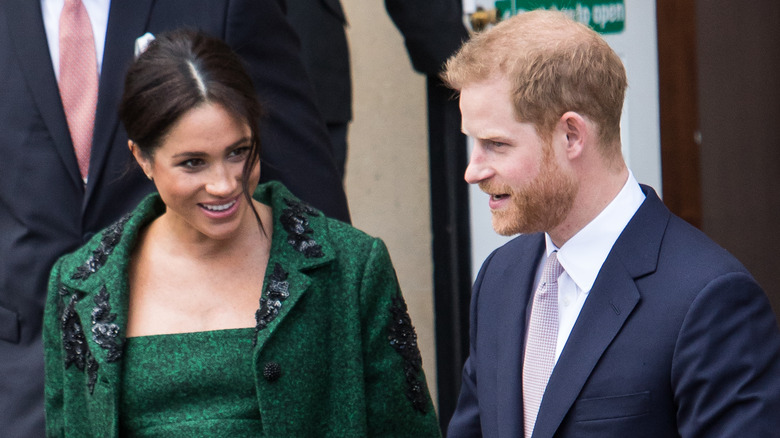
(220,210)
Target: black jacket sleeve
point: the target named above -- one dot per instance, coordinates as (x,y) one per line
(433,30)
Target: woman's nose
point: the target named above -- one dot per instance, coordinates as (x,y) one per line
(222,181)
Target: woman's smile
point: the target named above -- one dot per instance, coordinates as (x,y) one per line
(221,210)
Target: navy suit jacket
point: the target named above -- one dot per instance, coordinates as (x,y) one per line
(675,339)
(44,210)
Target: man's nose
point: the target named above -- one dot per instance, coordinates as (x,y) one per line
(478,169)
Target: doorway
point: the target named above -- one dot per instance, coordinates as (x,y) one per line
(719,101)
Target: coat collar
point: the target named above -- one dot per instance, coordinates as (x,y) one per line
(94,279)
(611,300)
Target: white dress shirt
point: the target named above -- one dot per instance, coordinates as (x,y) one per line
(583,254)
(98,17)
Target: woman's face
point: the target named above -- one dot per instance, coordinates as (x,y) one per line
(197,171)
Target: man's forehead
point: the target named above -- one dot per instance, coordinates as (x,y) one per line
(489,92)
(487,108)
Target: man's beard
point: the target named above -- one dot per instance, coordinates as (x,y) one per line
(540,206)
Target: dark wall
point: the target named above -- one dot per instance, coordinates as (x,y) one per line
(739,108)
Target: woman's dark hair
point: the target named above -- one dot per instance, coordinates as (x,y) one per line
(179,71)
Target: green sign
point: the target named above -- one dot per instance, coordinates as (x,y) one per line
(602,16)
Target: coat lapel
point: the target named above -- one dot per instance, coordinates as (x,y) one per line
(103,318)
(611,300)
(127,20)
(101,278)
(103,314)
(297,285)
(25,23)
(300,245)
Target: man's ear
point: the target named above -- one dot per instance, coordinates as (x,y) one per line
(141,159)
(578,132)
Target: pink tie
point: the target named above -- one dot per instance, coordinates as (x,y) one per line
(541,341)
(78,78)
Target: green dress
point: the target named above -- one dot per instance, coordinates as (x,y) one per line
(190,384)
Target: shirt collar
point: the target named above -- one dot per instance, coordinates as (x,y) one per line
(583,254)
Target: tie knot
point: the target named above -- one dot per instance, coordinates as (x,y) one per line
(552,269)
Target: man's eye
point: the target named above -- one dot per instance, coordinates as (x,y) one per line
(494,143)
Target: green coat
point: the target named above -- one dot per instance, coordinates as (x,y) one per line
(336,354)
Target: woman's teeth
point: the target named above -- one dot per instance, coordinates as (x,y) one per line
(222,207)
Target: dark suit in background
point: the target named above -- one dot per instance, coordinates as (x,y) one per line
(325,53)
(44,209)
(432,30)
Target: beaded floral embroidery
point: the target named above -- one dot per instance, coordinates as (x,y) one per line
(74,342)
(404,340)
(104,331)
(108,241)
(278,290)
(295,221)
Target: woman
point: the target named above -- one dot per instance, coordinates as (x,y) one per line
(220,307)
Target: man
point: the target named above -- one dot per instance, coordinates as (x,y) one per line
(433,30)
(50,205)
(608,316)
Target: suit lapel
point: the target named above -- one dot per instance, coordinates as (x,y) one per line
(127,20)
(25,23)
(605,311)
(519,280)
(610,302)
